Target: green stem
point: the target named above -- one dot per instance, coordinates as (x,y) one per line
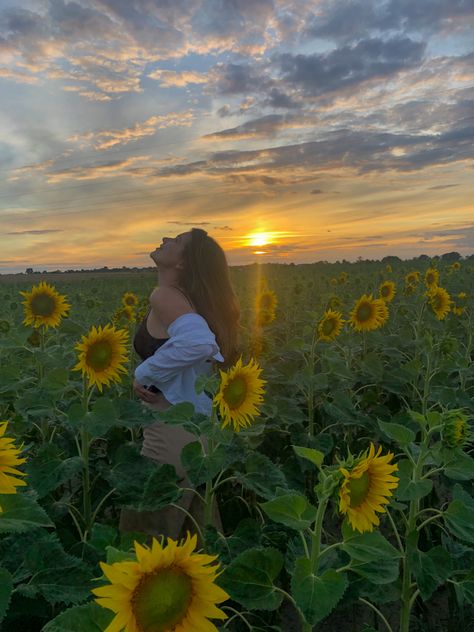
(316,535)
(209,492)
(407,596)
(311,391)
(428,520)
(86,486)
(371,605)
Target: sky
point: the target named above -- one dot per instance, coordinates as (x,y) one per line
(292,131)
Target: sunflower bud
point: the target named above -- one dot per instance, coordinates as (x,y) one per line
(456,431)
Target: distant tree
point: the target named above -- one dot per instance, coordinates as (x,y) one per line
(451,256)
(29,270)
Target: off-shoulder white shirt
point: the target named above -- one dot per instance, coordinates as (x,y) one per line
(175,366)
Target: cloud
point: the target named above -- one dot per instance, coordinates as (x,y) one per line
(268,125)
(172,79)
(345,20)
(369,59)
(35,232)
(317,192)
(109,138)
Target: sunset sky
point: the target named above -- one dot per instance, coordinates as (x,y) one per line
(291,131)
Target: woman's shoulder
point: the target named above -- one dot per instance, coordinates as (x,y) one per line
(168,303)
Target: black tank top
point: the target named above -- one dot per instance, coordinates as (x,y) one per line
(143,342)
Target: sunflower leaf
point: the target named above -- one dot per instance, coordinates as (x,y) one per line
(314,456)
(249,578)
(87,618)
(21,512)
(316,596)
(431,569)
(262,475)
(292,510)
(6,586)
(47,470)
(401,434)
(459,516)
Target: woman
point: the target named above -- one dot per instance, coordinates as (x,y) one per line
(192,324)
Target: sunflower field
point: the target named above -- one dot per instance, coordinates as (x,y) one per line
(338,453)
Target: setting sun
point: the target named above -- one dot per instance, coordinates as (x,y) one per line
(259,239)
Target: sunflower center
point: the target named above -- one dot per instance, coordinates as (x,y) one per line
(437,301)
(329,326)
(430,279)
(161,600)
(460,431)
(385,291)
(364,312)
(235,392)
(42,305)
(265,302)
(358,488)
(99,355)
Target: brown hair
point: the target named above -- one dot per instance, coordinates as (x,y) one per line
(206,279)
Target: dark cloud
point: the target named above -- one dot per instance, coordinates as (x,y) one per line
(264,126)
(317,192)
(349,65)
(439,187)
(232,79)
(352,19)
(181,223)
(251,179)
(36,232)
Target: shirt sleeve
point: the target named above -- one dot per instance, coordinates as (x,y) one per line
(191,342)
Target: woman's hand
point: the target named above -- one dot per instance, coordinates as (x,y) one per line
(147,396)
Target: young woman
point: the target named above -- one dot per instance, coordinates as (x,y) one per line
(192,324)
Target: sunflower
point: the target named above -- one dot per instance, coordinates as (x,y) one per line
(387,291)
(4,326)
(409,289)
(455,266)
(8,462)
(388,269)
(126,314)
(44,306)
(330,325)
(334,303)
(166,589)
(240,393)
(440,302)
(129,299)
(412,278)
(342,278)
(368,313)
(102,354)
(265,306)
(431,277)
(366,488)
(456,431)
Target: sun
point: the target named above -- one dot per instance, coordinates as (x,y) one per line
(259,239)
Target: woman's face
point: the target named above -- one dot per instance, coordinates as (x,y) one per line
(170,253)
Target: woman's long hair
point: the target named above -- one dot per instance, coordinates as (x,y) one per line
(206,279)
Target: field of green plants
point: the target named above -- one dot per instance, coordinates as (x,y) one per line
(339,456)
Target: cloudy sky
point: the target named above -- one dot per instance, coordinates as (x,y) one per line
(290,130)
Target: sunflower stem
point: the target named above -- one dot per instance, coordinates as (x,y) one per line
(85,447)
(209,492)
(316,535)
(311,389)
(407,588)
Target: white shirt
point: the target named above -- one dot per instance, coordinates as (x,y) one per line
(175,366)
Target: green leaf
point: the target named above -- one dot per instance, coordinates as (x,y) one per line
(314,456)
(465,589)
(177,414)
(407,489)
(140,483)
(461,468)
(459,516)
(201,467)
(20,512)
(55,379)
(397,432)
(431,569)
(366,547)
(6,587)
(316,596)
(56,575)
(262,475)
(87,618)
(292,510)
(249,579)
(48,470)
